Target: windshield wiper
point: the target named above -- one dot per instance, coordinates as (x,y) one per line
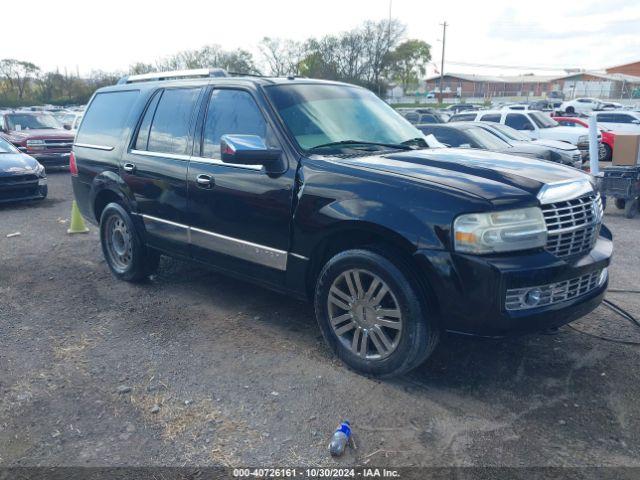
(397,146)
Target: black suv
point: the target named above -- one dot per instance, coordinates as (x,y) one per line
(322,191)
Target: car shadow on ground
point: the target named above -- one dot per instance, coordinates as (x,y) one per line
(521,366)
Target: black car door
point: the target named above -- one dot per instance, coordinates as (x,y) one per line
(239,214)
(155,167)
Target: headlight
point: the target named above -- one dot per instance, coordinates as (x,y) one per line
(583,138)
(504,231)
(40,170)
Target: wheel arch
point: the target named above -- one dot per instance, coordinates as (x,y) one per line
(348,235)
(109,187)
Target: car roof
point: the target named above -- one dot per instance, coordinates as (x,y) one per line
(229,80)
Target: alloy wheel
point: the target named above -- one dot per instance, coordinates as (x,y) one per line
(365,314)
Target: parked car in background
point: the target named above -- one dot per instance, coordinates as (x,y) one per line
(21,176)
(469,135)
(460,107)
(608,137)
(70,120)
(321,191)
(560,152)
(537,125)
(581,105)
(622,121)
(37,134)
(421,118)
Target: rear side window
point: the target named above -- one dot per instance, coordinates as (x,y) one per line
(169,131)
(105,121)
(143,134)
(491,117)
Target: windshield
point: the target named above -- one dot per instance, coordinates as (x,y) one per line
(6,147)
(511,133)
(486,140)
(324,114)
(29,121)
(542,120)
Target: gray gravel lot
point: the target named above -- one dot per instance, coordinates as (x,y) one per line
(194,368)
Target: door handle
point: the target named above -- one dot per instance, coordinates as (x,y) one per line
(128,167)
(204,181)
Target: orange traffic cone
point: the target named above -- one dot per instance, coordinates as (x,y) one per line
(77,222)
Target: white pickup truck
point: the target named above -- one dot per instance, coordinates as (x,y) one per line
(537,125)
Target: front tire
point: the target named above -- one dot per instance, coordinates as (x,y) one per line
(128,258)
(373,314)
(608,153)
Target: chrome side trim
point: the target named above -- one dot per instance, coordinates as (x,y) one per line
(166,229)
(215,161)
(252,252)
(300,257)
(106,148)
(174,156)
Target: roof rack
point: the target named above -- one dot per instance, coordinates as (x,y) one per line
(156,76)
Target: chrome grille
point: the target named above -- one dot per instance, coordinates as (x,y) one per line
(573,225)
(553,293)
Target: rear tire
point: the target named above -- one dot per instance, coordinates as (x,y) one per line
(620,203)
(127,256)
(571,110)
(631,208)
(373,314)
(608,153)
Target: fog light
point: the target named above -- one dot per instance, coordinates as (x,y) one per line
(42,181)
(603,277)
(532,297)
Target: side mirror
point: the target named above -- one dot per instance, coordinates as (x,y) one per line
(247,150)
(66,126)
(635,122)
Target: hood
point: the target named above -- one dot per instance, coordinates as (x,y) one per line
(555,144)
(527,148)
(493,176)
(16,164)
(22,135)
(562,129)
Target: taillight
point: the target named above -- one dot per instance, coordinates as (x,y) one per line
(73,168)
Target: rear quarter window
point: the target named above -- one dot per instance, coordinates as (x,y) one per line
(105,120)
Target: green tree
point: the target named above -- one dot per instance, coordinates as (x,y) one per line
(409,61)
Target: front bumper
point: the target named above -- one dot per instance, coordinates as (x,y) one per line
(49,159)
(470,290)
(23,193)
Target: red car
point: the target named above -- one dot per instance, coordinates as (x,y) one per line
(608,137)
(37,134)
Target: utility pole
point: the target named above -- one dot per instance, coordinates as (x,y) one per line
(444,38)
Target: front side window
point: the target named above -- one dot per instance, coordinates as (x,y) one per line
(491,117)
(542,120)
(518,121)
(232,112)
(317,114)
(169,132)
(463,117)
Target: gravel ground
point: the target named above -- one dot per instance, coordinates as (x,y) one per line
(194,368)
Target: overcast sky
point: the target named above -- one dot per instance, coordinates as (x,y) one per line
(111,35)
